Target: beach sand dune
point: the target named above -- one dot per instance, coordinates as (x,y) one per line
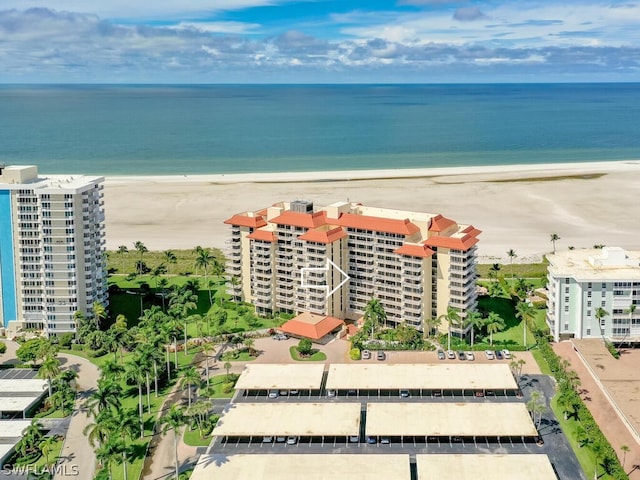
(516,207)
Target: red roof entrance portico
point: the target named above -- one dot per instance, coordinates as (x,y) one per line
(311,326)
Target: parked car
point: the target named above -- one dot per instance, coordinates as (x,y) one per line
(331,393)
(489,354)
(293,392)
(470,356)
(281,439)
(291,440)
(284,393)
(461,355)
(441,355)
(366,355)
(354,439)
(506,354)
(385,440)
(381,355)
(451,354)
(372,440)
(498,354)
(404,394)
(274,393)
(267,439)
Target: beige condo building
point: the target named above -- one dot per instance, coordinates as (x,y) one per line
(289,256)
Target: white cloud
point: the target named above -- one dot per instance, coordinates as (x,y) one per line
(219,27)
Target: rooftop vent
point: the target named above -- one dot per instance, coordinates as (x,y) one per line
(302,206)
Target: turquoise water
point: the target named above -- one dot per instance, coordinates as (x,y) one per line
(145,130)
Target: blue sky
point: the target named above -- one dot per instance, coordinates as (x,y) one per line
(340,41)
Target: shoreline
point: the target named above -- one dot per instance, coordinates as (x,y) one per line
(517,206)
(535,169)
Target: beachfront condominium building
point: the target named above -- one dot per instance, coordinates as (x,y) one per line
(594,293)
(52,245)
(294,257)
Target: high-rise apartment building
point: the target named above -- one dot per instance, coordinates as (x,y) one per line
(289,256)
(52,245)
(594,293)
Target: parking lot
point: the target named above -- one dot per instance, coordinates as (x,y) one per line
(18,374)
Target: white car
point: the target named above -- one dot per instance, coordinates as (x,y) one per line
(451,354)
(366,354)
(331,393)
(489,354)
(470,356)
(506,354)
(291,440)
(274,393)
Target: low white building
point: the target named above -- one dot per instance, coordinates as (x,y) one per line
(593,293)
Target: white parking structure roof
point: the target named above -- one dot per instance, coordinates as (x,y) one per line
(445,376)
(9,386)
(17,404)
(484,467)
(287,376)
(12,428)
(299,419)
(307,466)
(449,419)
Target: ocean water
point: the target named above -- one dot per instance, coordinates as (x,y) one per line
(193,129)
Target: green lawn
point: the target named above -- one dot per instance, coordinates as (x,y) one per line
(524,270)
(184,266)
(238,356)
(318,356)
(584,455)
(216,385)
(540,360)
(513,334)
(193,438)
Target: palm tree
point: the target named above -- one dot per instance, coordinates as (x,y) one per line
(204,260)
(537,407)
(600,314)
(625,449)
(99,313)
(122,251)
(109,453)
(111,369)
(207,349)
(136,374)
(174,420)
(46,447)
(512,254)
(554,239)
(375,314)
(249,342)
(170,258)
(474,319)
(526,313)
(235,282)
(452,317)
(49,369)
(141,249)
(227,367)
(126,423)
(494,324)
(191,377)
(493,270)
(156,272)
(107,395)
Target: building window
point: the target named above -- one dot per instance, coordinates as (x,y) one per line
(603,303)
(589,285)
(588,294)
(588,332)
(566,308)
(566,289)
(589,303)
(566,327)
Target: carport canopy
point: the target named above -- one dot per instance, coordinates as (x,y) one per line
(485,467)
(307,466)
(449,419)
(10,386)
(12,430)
(283,418)
(445,376)
(18,404)
(281,376)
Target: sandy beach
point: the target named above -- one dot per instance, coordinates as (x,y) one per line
(516,207)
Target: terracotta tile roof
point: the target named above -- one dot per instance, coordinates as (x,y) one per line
(440,223)
(323,236)
(310,325)
(263,235)
(246,221)
(298,219)
(414,250)
(471,230)
(378,224)
(463,243)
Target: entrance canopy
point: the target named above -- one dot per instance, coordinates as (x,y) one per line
(311,326)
